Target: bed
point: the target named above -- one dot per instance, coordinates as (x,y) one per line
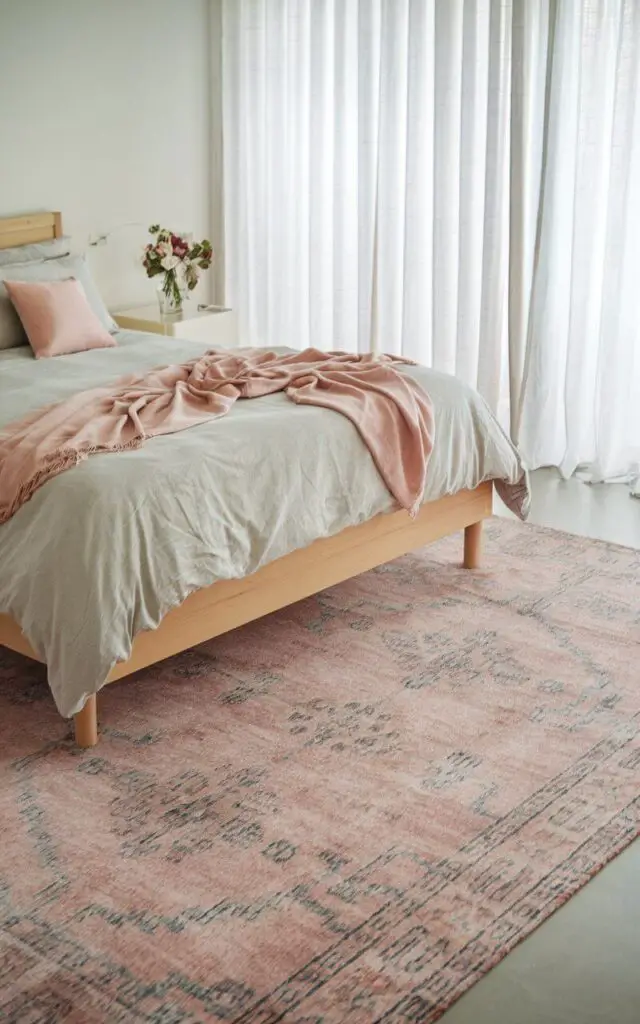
(130,558)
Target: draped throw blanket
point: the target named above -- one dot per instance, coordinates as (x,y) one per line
(392,413)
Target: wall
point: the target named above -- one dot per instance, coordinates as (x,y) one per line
(104,115)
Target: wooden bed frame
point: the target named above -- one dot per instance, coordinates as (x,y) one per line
(225,605)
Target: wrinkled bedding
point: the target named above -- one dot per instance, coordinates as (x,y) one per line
(104,550)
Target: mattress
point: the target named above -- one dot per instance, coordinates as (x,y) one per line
(104,550)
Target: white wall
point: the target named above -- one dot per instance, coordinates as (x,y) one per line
(104,115)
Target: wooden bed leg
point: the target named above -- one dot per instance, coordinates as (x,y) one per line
(472,545)
(86,724)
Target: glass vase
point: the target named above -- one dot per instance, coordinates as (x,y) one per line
(171,295)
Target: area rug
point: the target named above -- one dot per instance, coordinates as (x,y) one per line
(347,811)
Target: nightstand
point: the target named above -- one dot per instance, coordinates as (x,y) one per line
(215,325)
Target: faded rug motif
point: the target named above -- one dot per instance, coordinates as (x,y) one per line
(347,811)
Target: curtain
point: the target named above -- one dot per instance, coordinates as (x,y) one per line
(452,180)
(367,176)
(580,404)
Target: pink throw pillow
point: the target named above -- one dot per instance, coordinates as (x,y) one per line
(57,318)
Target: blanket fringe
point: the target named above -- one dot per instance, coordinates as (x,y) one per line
(55,463)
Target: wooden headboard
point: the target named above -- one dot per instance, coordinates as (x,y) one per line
(33,227)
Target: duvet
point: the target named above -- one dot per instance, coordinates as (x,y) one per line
(105,549)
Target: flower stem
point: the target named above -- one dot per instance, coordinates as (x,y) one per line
(171,289)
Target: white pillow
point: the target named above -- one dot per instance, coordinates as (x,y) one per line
(12,333)
(36,251)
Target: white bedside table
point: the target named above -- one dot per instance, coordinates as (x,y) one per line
(216,325)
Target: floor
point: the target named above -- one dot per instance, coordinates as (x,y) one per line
(582,966)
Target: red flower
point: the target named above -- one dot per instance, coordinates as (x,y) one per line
(179,246)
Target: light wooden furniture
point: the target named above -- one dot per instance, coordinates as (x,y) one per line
(473,545)
(216,326)
(35,227)
(86,724)
(225,605)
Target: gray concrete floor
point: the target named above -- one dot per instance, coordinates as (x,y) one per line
(582,966)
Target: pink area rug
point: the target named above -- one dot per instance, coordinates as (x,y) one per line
(348,811)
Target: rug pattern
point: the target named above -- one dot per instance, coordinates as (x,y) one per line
(348,811)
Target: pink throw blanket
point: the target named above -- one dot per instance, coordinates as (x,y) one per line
(391,412)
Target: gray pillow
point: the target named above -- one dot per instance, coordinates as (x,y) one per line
(12,333)
(36,251)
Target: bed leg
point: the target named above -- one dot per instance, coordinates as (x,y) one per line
(86,724)
(472,545)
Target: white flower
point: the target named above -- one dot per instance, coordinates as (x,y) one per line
(170,262)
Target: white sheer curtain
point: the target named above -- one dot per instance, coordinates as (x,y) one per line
(367,175)
(454,180)
(581,397)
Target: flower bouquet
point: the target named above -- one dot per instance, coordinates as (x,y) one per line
(180,263)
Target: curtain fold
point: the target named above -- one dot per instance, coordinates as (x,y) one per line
(454,181)
(366,167)
(580,406)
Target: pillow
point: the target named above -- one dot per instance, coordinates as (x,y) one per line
(11,331)
(57,317)
(36,251)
